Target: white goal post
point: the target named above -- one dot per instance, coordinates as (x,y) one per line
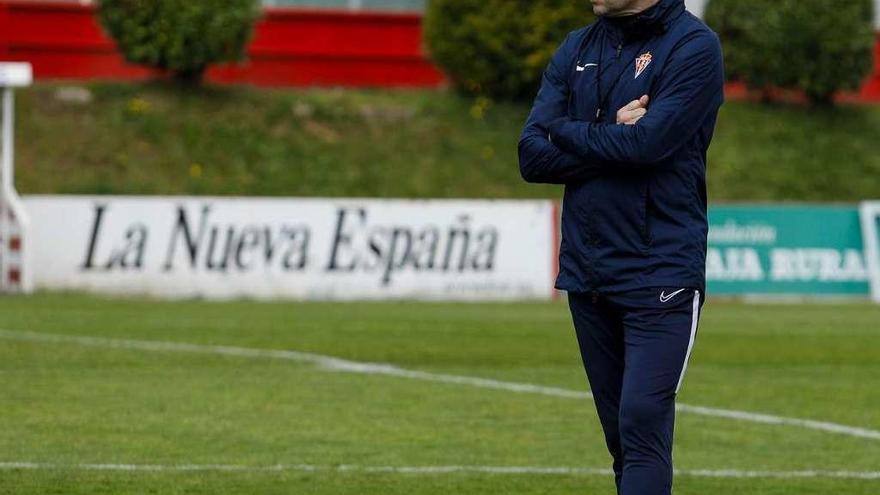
(15,269)
(870,215)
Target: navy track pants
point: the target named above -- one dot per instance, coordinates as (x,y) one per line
(635,347)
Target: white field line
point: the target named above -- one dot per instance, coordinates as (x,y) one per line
(430,470)
(343,365)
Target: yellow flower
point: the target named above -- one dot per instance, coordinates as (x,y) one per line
(479,108)
(138,105)
(195,170)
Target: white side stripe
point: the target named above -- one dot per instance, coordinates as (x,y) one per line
(695,318)
(336,364)
(430,470)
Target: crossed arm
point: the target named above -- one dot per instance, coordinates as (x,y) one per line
(557,149)
(541,161)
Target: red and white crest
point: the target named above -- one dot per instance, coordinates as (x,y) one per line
(642,63)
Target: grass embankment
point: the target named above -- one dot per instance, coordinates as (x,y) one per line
(151,139)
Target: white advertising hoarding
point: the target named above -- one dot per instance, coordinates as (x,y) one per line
(294,248)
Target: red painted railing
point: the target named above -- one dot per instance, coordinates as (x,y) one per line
(291,47)
(871,90)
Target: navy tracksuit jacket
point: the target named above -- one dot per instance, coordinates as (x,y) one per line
(634,222)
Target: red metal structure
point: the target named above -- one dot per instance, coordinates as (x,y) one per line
(871,90)
(291,47)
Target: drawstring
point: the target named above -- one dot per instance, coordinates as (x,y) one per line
(601,99)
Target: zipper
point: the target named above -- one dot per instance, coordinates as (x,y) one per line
(599,111)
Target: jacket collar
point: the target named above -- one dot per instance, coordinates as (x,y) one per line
(653,21)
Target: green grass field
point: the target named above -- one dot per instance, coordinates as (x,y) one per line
(206,420)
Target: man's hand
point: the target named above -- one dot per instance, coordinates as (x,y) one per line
(633,111)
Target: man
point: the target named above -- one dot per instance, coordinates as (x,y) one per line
(624,117)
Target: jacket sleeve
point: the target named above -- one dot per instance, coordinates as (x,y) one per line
(689,90)
(540,161)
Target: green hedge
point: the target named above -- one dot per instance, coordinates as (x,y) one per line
(499,48)
(181,36)
(815,46)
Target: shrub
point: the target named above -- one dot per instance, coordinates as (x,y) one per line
(810,45)
(180,36)
(499,48)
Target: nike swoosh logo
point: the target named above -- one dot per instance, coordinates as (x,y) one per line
(581,68)
(664,298)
